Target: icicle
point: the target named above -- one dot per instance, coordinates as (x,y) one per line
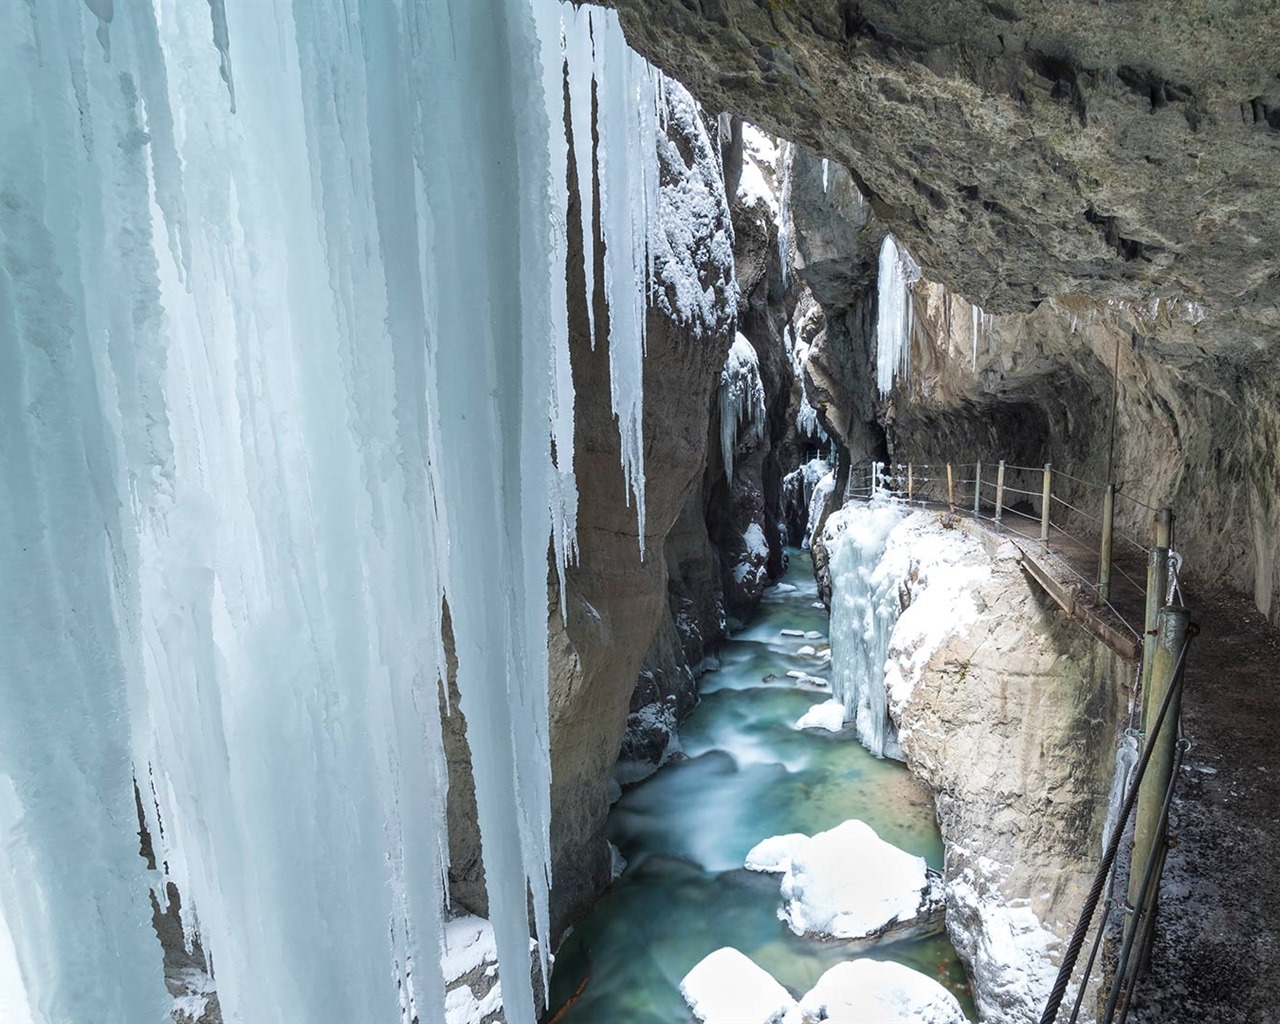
(579,55)
(103,11)
(825,163)
(552,35)
(897,273)
(864,608)
(222,42)
(977,314)
(624,167)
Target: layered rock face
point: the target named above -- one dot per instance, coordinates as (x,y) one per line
(1092,174)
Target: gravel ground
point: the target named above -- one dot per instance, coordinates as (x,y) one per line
(1217,947)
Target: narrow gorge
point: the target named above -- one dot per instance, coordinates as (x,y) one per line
(653,512)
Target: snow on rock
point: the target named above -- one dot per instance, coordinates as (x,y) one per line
(1008,950)
(849,883)
(742,405)
(694,242)
(807,651)
(470,965)
(727,987)
(828,715)
(773,855)
(757,187)
(868,991)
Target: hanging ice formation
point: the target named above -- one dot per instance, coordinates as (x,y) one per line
(742,409)
(864,608)
(898,272)
(982,323)
(274,385)
(786,153)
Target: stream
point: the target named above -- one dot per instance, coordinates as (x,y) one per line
(748,774)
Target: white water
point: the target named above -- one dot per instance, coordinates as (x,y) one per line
(283,337)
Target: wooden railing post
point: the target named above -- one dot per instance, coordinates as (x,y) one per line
(1104,556)
(999,492)
(1171,635)
(977,486)
(1157,584)
(951,488)
(910,484)
(1044,505)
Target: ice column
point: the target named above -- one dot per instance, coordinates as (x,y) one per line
(898,272)
(864,608)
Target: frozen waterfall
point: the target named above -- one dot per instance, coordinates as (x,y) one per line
(742,406)
(898,272)
(864,608)
(283,355)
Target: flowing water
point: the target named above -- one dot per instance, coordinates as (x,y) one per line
(686,830)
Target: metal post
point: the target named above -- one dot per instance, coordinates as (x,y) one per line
(1171,635)
(1104,556)
(1044,505)
(910,484)
(999,492)
(1157,584)
(951,488)
(977,486)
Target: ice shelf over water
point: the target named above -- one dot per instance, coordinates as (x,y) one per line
(283,355)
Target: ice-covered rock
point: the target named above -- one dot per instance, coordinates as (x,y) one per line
(727,987)
(877,992)
(849,883)
(828,715)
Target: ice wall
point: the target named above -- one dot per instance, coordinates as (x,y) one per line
(282,355)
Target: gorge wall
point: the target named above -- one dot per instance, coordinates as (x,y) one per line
(1092,176)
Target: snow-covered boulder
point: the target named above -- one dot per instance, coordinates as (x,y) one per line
(727,987)
(877,992)
(828,715)
(773,855)
(849,883)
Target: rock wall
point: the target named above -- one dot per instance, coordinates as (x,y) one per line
(1194,431)
(1091,173)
